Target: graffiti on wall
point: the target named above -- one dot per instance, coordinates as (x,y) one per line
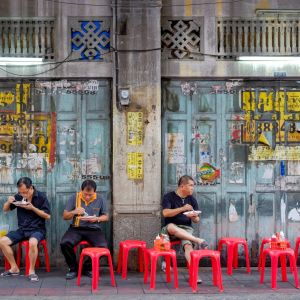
(67,87)
(24,131)
(271,119)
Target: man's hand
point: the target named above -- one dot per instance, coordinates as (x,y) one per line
(11,199)
(187,207)
(192,215)
(28,206)
(78,211)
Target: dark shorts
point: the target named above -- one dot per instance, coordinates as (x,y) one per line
(74,235)
(20,235)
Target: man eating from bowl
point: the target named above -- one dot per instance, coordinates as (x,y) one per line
(86,210)
(32,210)
(180,209)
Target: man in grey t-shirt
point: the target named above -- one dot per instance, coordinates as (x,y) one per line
(86,210)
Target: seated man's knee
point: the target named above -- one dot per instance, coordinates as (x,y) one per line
(4,241)
(188,247)
(172,229)
(33,242)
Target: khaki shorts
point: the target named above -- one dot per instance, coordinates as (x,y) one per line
(188,229)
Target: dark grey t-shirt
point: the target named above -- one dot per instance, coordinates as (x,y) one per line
(96,207)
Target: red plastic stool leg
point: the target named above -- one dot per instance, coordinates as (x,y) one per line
(140,258)
(27,262)
(6,264)
(146,268)
(168,269)
(124,261)
(283,267)
(95,270)
(229,259)
(80,268)
(219,273)
(120,257)
(293,262)
(46,255)
(274,267)
(19,255)
(111,269)
(235,255)
(262,267)
(214,271)
(247,257)
(175,272)
(153,262)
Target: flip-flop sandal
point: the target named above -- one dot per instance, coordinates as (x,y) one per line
(9,273)
(33,278)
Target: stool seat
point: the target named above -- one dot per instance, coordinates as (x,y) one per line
(153,255)
(196,256)
(95,253)
(25,244)
(232,244)
(274,255)
(125,247)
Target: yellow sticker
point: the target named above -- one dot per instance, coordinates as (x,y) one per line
(135,128)
(135,165)
(279,153)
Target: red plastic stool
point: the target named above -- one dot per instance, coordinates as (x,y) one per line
(82,243)
(196,256)
(153,255)
(232,252)
(27,263)
(95,254)
(262,246)
(274,254)
(125,247)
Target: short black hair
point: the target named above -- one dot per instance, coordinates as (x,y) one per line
(185,179)
(89,184)
(24,180)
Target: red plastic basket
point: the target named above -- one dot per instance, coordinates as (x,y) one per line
(282,245)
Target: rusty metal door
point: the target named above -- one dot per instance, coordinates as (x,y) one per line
(201,134)
(57,133)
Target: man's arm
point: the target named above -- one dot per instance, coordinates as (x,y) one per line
(6,205)
(68,215)
(38,211)
(172,212)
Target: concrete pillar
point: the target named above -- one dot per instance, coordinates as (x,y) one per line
(136,202)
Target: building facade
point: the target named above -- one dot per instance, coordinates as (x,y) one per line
(134,94)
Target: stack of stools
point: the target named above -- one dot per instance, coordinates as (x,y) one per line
(196,256)
(232,252)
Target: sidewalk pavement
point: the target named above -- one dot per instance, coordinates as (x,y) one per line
(240,285)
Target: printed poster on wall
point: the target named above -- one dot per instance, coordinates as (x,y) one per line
(175,148)
(135,165)
(135,128)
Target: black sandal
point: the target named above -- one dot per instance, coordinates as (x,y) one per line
(9,273)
